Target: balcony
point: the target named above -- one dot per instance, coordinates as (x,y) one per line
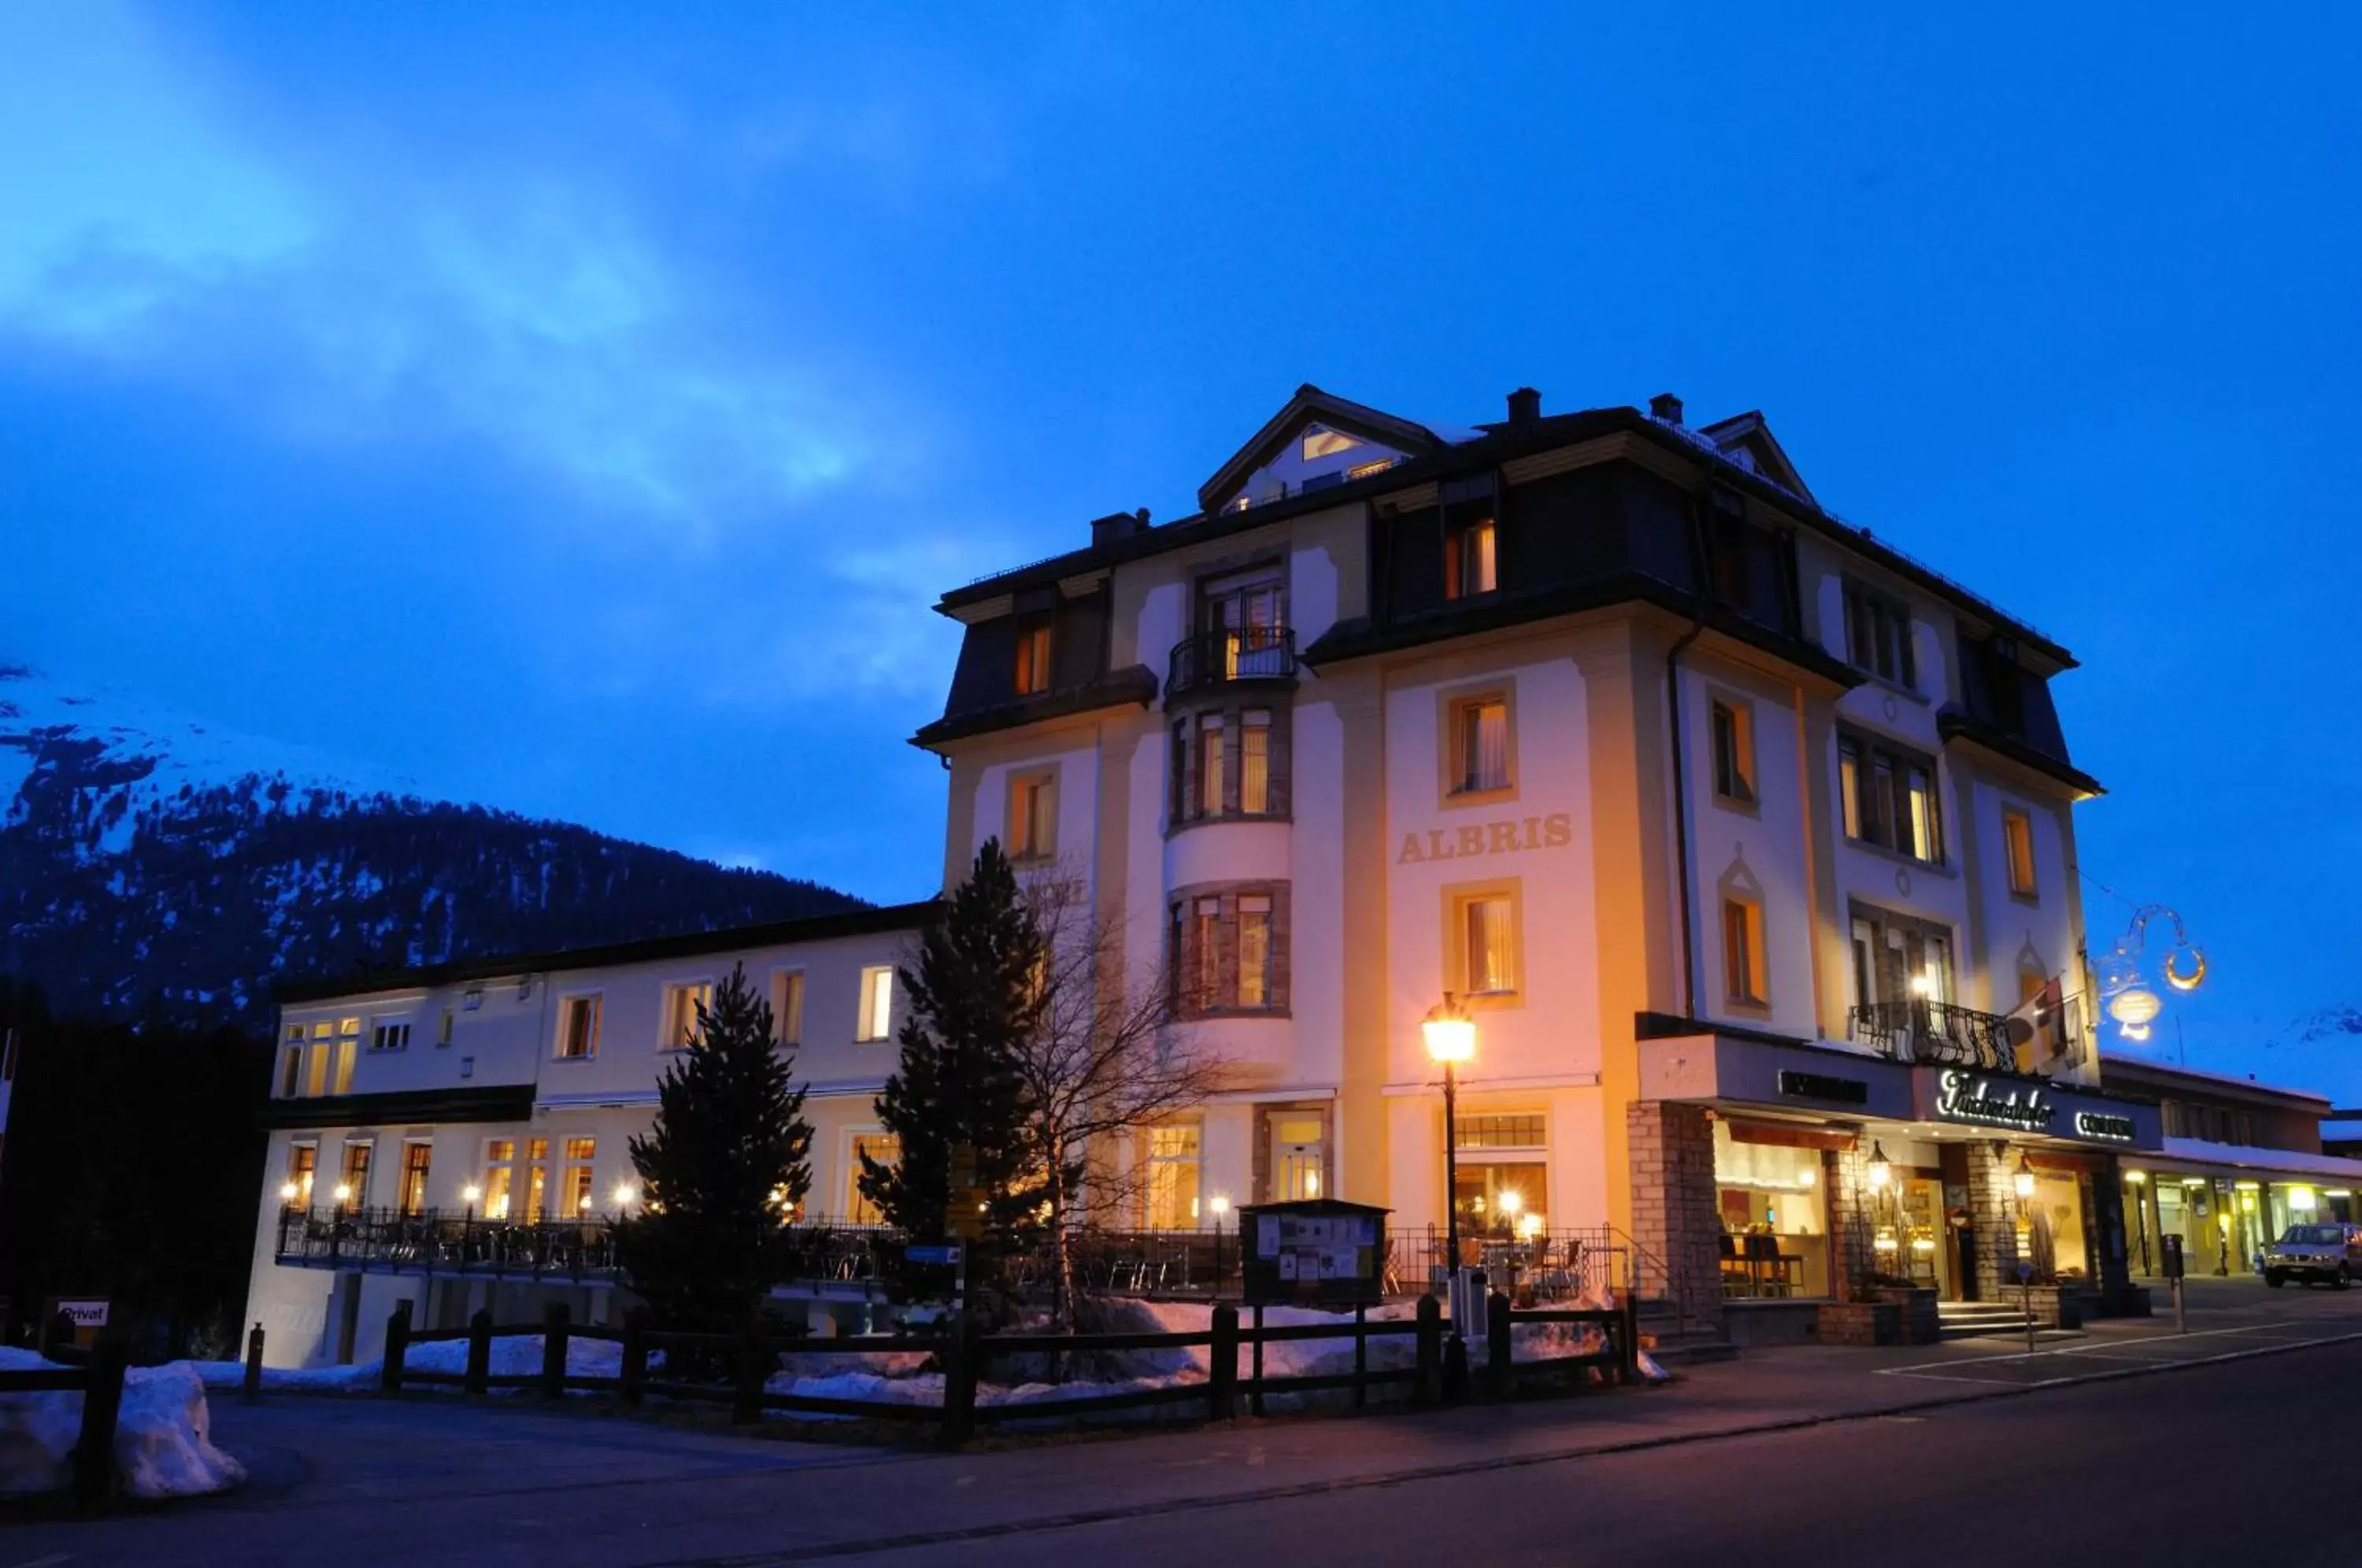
(379,1241)
(1221,657)
(1937,1034)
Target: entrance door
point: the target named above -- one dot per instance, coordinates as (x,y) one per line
(1299,1145)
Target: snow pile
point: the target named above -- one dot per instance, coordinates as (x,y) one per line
(163,1437)
(513,1355)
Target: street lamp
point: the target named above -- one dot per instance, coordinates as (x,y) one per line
(1452,1040)
(2138,1182)
(1220,1204)
(2023,1179)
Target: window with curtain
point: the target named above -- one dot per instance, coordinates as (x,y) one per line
(1175,1165)
(353,1181)
(2017,843)
(303,1165)
(578,1030)
(1211,798)
(1888,797)
(877,1002)
(1034,816)
(1255,950)
(1489,934)
(536,1179)
(1483,745)
(1742,952)
(1734,751)
(579,1154)
(1255,762)
(1032,673)
(499,1155)
(1469,565)
(680,1005)
(787,1006)
(1877,635)
(884,1149)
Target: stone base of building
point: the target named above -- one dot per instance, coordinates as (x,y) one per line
(1895,1316)
(2062,1305)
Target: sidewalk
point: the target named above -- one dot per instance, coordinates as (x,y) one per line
(409,1480)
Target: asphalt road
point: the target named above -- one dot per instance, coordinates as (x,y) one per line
(2250,1462)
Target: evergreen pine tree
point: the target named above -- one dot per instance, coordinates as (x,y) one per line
(973,997)
(729,1153)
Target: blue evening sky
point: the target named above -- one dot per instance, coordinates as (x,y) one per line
(577,408)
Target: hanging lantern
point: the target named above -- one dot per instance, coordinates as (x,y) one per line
(2134,1011)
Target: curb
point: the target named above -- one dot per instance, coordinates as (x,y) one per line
(819,1551)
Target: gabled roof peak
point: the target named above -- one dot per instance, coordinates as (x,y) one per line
(1311,405)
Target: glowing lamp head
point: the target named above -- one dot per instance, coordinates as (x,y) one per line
(1923,986)
(1528,1227)
(2301,1200)
(1450,1032)
(1512,1201)
(1219,1203)
(1881,1173)
(626,1195)
(287,1193)
(470,1193)
(2134,1011)
(344,1192)
(2023,1179)
(2136,1178)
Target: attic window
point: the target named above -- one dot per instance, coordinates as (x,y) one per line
(1319,441)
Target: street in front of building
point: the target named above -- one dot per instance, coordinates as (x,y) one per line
(1784,1455)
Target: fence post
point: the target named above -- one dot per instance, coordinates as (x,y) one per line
(1628,1367)
(397,1346)
(57,1329)
(1361,1357)
(252,1390)
(1430,1349)
(480,1352)
(554,1319)
(1222,1365)
(746,1392)
(959,1383)
(635,1377)
(1497,1345)
(102,1401)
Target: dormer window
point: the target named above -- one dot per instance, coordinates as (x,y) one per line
(1033,657)
(1319,441)
(1468,560)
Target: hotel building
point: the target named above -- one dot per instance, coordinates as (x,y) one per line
(1740,832)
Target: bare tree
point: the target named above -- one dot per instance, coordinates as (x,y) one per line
(1107,1058)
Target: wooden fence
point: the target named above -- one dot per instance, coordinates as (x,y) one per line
(96,1374)
(752,1357)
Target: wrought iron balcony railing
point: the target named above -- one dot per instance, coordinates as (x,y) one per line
(382,1241)
(1936,1033)
(1244,652)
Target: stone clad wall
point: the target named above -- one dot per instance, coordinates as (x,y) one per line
(1993,1209)
(1673,1215)
(1852,1219)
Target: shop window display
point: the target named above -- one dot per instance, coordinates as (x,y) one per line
(1775,1209)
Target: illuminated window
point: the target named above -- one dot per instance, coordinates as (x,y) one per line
(1363,471)
(1468,560)
(1033,814)
(1211,797)
(1255,950)
(536,1179)
(1319,441)
(2017,843)
(303,1165)
(877,1002)
(680,1005)
(1033,657)
(417,1160)
(1173,1171)
(1503,1173)
(1255,762)
(1206,952)
(884,1149)
(787,1006)
(498,1155)
(1742,952)
(578,1027)
(354,1176)
(1734,751)
(1484,928)
(1888,798)
(580,1153)
(1480,746)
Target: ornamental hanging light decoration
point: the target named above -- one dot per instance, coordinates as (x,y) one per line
(2124,989)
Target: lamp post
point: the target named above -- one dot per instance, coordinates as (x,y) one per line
(2138,1182)
(1881,1173)
(1220,1204)
(1450,1037)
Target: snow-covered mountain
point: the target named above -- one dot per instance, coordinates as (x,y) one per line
(149,859)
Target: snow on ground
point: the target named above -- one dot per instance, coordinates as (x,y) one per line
(163,1443)
(513,1355)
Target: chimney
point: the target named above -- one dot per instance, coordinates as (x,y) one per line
(1524,406)
(1666,407)
(1117,525)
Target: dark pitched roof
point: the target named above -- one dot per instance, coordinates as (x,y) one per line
(1498,445)
(1311,404)
(688,944)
